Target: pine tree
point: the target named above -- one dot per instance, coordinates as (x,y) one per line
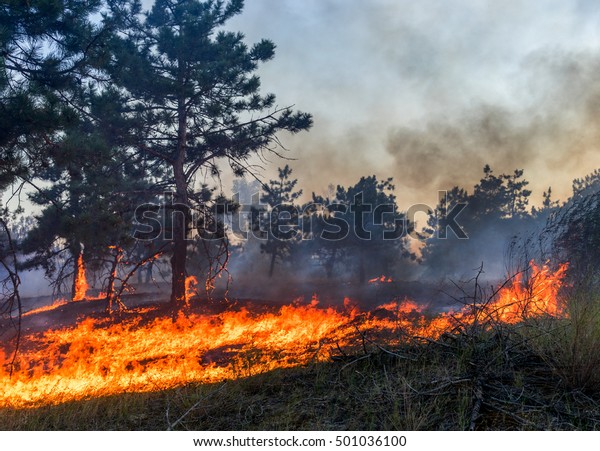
(46,48)
(193,88)
(92,185)
(362,226)
(281,217)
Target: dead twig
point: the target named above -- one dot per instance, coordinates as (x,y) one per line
(477,401)
(187,412)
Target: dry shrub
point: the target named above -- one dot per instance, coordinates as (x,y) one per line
(571,345)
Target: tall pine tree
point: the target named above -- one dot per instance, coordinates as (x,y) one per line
(193,87)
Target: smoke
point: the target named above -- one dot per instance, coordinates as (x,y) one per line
(451,151)
(554,137)
(428,92)
(301,277)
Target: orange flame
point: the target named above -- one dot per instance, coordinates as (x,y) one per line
(516,301)
(381,279)
(534,297)
(81,285)
(99,357)
(46,308)
(190,287)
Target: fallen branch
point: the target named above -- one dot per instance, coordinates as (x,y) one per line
(204,398)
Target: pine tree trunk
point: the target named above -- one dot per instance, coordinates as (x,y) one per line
(111,286)
(178,260)
(75,252)
(75,246)
(110,289)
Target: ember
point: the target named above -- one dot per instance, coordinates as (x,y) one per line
(381,279)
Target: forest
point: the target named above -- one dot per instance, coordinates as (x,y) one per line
(146,253)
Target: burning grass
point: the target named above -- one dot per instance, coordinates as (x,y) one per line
(434,390)
(494,360)
(46,308)
(101,357)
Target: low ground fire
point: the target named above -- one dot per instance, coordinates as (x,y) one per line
(146,349)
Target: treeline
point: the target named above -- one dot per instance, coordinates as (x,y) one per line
(359,233)
(356,230)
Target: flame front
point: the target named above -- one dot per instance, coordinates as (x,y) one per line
(81,285)
(98,357)
(46,308)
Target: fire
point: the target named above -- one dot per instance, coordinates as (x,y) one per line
(190,287)
(516,301)
(97,358)
(145,351)
(47,308)
(381,279)
(537,296)
(81,285)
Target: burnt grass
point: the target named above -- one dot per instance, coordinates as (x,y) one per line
(483,377)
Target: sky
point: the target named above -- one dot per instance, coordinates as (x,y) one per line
(428,92)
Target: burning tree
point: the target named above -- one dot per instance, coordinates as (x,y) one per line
(192,87)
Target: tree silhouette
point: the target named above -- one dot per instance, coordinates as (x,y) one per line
(495,212)
(193,89)
(281,219)
(361,227)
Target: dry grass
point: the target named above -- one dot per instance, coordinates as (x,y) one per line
(571,346)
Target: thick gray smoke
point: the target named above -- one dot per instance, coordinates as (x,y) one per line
(427,92)
(554,137)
